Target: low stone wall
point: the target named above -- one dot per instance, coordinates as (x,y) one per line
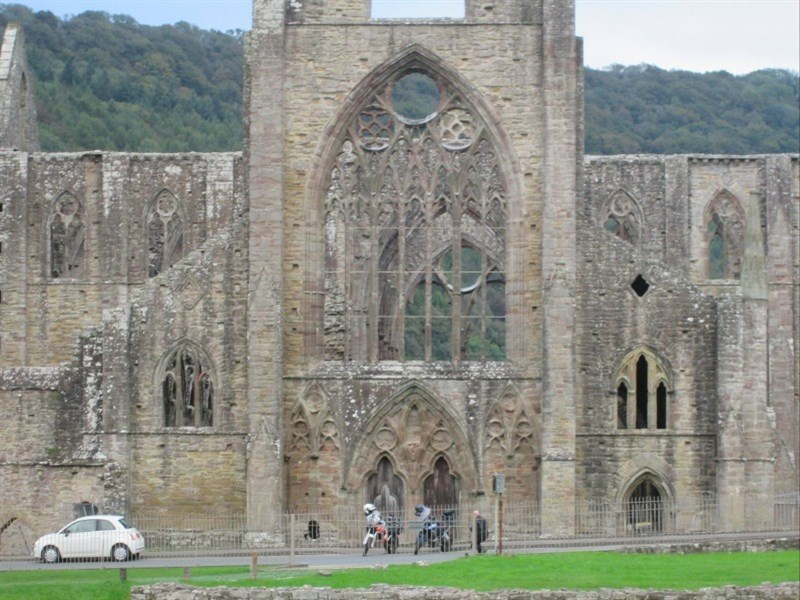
(768,545)
(171,591)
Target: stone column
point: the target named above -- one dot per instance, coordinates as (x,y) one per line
(758,417)
(562,113)
(264,74)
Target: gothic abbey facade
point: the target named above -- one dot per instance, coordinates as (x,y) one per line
(376,302)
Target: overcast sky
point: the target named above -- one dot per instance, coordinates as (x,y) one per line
(738,36)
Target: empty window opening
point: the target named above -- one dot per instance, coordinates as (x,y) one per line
(416,270)
(640,286)
(641,393)
(644,508)
(187,390)
(622,406)
(403,9)
(415,96)
(642,386)
(661,406)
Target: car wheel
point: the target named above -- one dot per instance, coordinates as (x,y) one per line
(51,555)
(120,553)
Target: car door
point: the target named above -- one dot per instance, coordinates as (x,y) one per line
(78,539)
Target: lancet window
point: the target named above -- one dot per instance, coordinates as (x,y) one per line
(187,388)
(623,217)
(165,225)
(67,237)
(641,385)
(725,234)
(415,231)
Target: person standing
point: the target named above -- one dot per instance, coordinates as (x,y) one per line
(480,529)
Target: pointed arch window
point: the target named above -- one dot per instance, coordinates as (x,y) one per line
(440,488)
(623,217)
(641,391)
(187,388)
(725,236)
(385,489)
(67,237)
(165,229)
(415,218)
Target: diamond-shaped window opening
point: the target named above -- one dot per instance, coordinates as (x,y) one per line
(640,286)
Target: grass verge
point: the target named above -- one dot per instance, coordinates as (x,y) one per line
(573,570)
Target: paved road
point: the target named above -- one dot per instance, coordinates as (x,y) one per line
(353,559)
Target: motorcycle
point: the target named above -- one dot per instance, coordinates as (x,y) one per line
(434,532)
(393,528)
(376,531)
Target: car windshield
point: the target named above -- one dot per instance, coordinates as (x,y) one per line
(124,524)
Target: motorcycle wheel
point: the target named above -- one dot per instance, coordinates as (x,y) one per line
(446,545)
(417,545)
(366,548)
(391,547)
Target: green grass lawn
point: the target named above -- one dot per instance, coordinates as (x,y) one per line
(572,570)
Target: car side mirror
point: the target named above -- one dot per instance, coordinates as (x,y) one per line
(66,534)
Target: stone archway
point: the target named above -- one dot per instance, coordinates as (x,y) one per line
(423,443)
(645,506)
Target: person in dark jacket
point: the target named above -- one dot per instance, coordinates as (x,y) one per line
(480,527)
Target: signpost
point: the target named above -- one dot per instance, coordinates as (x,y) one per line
(498,487)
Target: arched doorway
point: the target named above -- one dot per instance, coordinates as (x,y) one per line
(644,507)
(440,488)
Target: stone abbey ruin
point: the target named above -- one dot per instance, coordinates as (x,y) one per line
(375,302)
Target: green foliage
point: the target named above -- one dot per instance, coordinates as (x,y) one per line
(644,109)
(566,570)
(106,82)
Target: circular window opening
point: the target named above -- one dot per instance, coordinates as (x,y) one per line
(415,96)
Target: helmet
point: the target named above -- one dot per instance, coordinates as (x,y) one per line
(368,508)
(419,509)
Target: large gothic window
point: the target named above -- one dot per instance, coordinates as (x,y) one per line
(164,233)
(415,218)
(725,235)
(187,388)
(641,384)
(66,231)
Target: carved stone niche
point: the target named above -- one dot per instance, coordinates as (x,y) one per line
(312,427)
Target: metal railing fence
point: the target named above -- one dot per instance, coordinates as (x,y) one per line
(342,531)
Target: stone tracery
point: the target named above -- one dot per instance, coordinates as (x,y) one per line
(67,237)
(725,233)
(415,217)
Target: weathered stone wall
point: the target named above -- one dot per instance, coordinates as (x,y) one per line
(714,333)
(115,191)
(171,591)
(677,323)
(18,127)
(201,300)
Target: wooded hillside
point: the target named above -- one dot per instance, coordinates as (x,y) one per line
(106,82)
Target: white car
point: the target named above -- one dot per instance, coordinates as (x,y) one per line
(97,536)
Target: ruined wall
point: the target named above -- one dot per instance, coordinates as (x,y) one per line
(671,319)
(714,332)
(331,57)
(41,315)
(45,463)
(18,127)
